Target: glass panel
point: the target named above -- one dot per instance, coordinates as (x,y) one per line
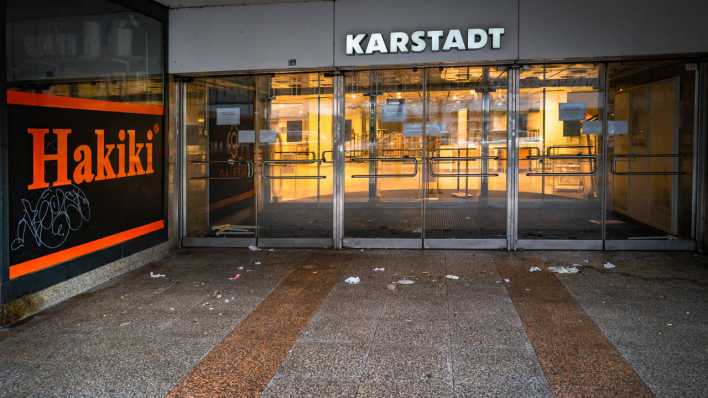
(80,49)
(383,154)
(219,127)
(296,150)
(559,143)
(466,134)
(650,151)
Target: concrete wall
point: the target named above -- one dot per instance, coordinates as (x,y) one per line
(611,28)
(259,37)
(215,39)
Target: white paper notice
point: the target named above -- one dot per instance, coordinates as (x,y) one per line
(268,136)
(228,116)
(568,111)
(246,137)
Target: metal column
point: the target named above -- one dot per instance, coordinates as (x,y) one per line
(372,145)
(484,183)
(700,151)
(338,158)
(603,152)
(181,131)
(512,163)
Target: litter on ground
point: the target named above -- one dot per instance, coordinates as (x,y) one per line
(124,324)
(257,263)
(235,277)
(379,269)
(240,268)
(391,286)
(352,280)
(563,269)
(253,248)
(453,277)
(507,280)
(608,265)
(154,275)
(405,281)
(535,269)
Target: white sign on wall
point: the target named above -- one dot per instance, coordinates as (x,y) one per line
(421,40)
(228,116)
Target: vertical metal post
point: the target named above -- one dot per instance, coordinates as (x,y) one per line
(4,185)
(372,147)
(603,156)
(512,165)
(700,147)
(424,154)
(338,122)
(181,131)
(260,187)
(486,88)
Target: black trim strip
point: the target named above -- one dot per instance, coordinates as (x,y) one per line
(4,212)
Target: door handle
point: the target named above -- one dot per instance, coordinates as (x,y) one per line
(630,156)
(412,161)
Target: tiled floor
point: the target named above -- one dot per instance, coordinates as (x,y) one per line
(474,336)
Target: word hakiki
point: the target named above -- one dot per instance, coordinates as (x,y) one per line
(439,40)
(129,157)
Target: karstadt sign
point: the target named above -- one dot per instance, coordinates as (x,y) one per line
(422,40)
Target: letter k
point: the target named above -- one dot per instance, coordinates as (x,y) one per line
(354,44)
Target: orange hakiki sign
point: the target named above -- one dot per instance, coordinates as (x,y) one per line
(93,164)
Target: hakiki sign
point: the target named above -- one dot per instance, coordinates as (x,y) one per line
(421,40)
(87,175)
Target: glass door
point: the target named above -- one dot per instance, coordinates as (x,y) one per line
(652,128)
(218,121)
(558,149)
(383,155)
(466,151)
(295,162)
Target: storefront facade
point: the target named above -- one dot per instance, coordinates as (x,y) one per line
(467,125)
(132,127)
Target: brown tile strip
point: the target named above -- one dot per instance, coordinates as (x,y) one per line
(576,357)
(245,361)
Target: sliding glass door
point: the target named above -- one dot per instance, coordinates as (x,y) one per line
(466,153)
(218,161)
(383,156)
(559,150)
(651,156)
(559,156)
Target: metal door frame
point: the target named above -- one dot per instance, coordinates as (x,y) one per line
(181,175)
(468,243)
(697,194)
(263,174)
(340,237)
(517,243)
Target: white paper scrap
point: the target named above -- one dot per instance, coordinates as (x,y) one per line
(563,270)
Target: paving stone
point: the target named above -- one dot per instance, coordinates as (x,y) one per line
(327,360)
(408,363)
(296,387)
